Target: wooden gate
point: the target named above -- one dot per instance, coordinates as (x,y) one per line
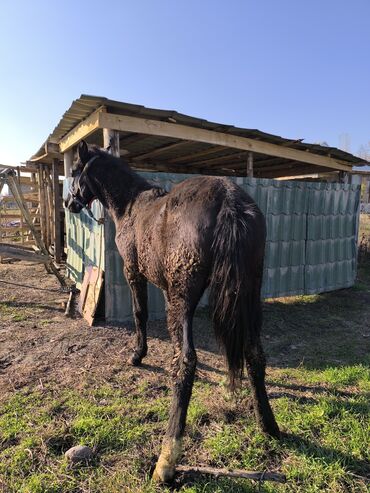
(42,197)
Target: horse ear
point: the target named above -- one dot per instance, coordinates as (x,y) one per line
(83,152)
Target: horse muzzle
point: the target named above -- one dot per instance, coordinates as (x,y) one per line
(72,205)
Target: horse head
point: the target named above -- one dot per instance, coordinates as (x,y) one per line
(81,192)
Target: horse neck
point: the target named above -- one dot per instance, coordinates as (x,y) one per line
(118,187)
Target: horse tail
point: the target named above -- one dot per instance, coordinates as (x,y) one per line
(235,281)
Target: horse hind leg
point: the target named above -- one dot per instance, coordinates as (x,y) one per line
(183,370)
(256,364)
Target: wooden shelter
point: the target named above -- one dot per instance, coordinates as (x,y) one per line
(166,145)
(160,140)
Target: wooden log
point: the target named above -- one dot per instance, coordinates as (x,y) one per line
(52,148)
(236,473)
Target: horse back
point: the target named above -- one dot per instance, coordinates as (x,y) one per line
(175,232)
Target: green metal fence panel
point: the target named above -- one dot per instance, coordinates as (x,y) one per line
(284,205)
(118,306)
(331,246)
(310,247)
(85,240)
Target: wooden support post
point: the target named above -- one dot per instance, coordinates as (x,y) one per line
(50,205)
(42,204)
(56,211)
(21,216)
(111,141)
(250,165)
(68,162)
(343,177)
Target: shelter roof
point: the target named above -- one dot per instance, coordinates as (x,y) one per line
(188,144)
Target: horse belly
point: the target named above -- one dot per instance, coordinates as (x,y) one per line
(150,262)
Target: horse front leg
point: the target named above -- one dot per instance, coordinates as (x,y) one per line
(183,371)
(139,292)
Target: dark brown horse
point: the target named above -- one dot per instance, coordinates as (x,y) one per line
(206,232)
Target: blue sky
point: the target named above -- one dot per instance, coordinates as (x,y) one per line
(294,68)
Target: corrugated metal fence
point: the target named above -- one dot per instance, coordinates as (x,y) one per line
(311,241)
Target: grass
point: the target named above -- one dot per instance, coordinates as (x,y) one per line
(325,425)
(14,311)
(10,313)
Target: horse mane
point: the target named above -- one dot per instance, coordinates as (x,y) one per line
(129,184)
(95,150)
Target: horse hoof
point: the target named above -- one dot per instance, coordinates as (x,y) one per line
(166,465)
(272,431)
(135,360)
(163,474)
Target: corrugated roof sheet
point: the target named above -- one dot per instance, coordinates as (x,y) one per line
(82,107)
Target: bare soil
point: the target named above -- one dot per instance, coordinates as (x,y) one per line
(39,345)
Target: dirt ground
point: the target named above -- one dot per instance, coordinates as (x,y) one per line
(39,345)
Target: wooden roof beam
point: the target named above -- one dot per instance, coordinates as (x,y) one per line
(277,167)
(194,155)
(266,162)
(216,161)
(123,123)
(178,131)
(295,171)
(132,139)
(82,130)
(160,150)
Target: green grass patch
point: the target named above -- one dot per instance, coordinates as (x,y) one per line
(325,436)
(13,311)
